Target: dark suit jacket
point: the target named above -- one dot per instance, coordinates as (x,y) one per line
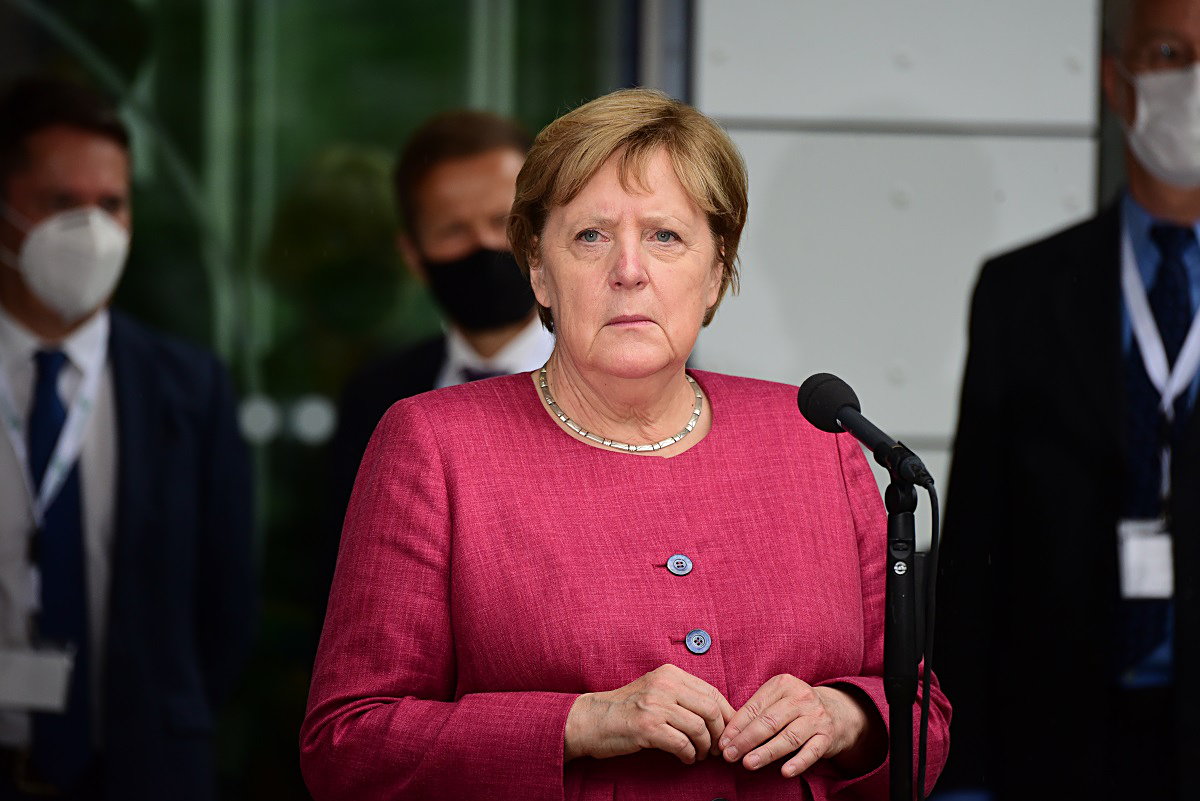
(182,594)
(1028,588)
(368,394)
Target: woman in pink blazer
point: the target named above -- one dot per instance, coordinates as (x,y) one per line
(614,578)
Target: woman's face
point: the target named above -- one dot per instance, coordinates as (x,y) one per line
(627,274)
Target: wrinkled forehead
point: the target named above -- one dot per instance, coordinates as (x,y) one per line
(635,166)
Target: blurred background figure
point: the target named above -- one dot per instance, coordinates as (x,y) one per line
(338,295)
(125,521)
(1072,562)
(340,290)
(454,184)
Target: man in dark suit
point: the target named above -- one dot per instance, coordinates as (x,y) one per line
(454,182)
(1069,596)
(124,486)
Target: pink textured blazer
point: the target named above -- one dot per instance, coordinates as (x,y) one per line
(492,567)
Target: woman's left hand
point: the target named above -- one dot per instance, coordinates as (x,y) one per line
(787,715)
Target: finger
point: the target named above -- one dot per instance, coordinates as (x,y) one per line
(762,698)
(727,710)
(816,748)
(697,695)
(693,726)
(666,737)
(793,738)
(769,722)
(703,688)
(711,707)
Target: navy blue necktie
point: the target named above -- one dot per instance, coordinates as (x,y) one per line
(1146,622)
(61,742)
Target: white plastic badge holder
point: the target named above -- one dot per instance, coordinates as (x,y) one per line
(1145,554)
(35,680)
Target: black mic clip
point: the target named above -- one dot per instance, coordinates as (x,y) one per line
(905,465)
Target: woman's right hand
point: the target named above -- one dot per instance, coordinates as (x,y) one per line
(667,708)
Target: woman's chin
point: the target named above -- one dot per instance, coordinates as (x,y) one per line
(635,362)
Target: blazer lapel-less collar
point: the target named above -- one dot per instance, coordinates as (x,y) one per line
(1089,321)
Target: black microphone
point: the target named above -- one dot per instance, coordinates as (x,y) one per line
(828,403)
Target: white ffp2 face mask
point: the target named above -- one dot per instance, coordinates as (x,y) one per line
(72,260)
(1165,135)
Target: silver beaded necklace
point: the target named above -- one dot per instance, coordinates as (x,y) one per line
(612,443)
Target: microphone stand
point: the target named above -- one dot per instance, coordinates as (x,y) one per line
(900,627)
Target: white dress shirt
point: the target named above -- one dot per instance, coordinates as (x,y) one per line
(86,351)
(527,351)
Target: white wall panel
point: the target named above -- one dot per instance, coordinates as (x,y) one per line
(958,62)
(861,251)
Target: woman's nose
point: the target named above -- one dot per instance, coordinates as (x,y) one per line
(630,270)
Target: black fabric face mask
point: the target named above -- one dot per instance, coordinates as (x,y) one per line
(483,290)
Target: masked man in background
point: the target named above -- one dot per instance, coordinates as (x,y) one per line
(1069,602)
(126,584)
(454,183)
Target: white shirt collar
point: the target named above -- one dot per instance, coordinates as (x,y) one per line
(86,347)
(17,344)
(528,350)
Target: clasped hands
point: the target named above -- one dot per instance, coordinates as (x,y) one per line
(671,710)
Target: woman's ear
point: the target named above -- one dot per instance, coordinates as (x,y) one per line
(538,279)
(715,279)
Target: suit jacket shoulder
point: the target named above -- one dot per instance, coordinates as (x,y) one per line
(1088,246)
(406,372)
(185,373)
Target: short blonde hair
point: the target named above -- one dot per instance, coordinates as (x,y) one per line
(634,123)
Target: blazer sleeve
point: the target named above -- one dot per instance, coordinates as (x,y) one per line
(870,524)
(226,610)
(384,720)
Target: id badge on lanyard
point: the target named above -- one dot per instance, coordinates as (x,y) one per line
(36,679)
(1145,551)
(66,450)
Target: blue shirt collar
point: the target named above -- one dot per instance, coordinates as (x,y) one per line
(1137,223)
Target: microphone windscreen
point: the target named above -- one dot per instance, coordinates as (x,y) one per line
(821,396)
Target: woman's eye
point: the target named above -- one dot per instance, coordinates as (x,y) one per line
(590,235)
(665,236)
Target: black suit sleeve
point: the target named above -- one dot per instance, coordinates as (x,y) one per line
(226,606)
(976,520)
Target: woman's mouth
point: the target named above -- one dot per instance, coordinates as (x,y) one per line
(629,319)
